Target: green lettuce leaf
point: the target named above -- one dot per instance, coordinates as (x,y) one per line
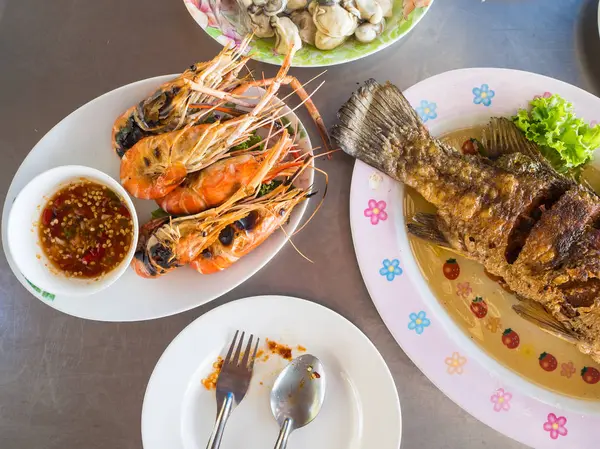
(565,140)
(268,187)
(159,213)
(252,140)
(286,122)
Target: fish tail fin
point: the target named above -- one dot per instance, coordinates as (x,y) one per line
(375,123)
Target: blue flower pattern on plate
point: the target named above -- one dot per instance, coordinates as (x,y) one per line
(418,322)
(483,95)
(390,269)
(427,110)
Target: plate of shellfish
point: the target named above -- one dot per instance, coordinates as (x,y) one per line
(219,171)
(475,213)
(321,32)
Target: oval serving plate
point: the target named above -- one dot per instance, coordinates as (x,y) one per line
(467,349)
(83,138)
(219,20)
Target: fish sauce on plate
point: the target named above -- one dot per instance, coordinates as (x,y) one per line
(490,322)
(531,228)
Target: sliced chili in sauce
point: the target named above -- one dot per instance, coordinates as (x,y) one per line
(85,230)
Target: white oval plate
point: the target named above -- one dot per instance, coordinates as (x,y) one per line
(83,138)
(419,323)
(361,408)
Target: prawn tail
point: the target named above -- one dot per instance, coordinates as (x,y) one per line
(169,180)
(183,200)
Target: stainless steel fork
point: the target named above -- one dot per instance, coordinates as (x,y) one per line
(232,384)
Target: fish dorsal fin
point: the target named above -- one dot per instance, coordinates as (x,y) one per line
(501,136)
(502,139)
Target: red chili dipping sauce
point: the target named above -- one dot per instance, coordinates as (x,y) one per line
(85,230)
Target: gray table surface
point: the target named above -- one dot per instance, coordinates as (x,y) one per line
(68,383)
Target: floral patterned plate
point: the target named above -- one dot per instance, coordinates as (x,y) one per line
(454,322)
(219,19)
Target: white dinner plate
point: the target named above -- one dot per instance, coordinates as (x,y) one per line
(83,138)
(361,408)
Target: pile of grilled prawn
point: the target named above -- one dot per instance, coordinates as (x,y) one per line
(185,147)
(534,229)
(215,238)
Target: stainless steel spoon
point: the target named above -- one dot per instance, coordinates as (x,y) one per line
(297,395)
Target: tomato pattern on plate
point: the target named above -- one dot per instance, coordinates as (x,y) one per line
(487,385)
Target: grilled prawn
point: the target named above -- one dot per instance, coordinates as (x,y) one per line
(215,184)
(157,164)
(214,239)
(238,239)
(191,96)
(168,107)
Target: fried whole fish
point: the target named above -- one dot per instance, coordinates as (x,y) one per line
(534,229)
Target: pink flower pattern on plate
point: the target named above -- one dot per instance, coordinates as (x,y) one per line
(501,400)
(455,363)
(463,289)
(556,426)
(230,37)
(376,211)
(202,12)
(567,369)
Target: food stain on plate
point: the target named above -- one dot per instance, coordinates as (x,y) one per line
(263,355)
(210,382)
(279,349)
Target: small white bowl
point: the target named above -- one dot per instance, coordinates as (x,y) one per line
(23,235)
